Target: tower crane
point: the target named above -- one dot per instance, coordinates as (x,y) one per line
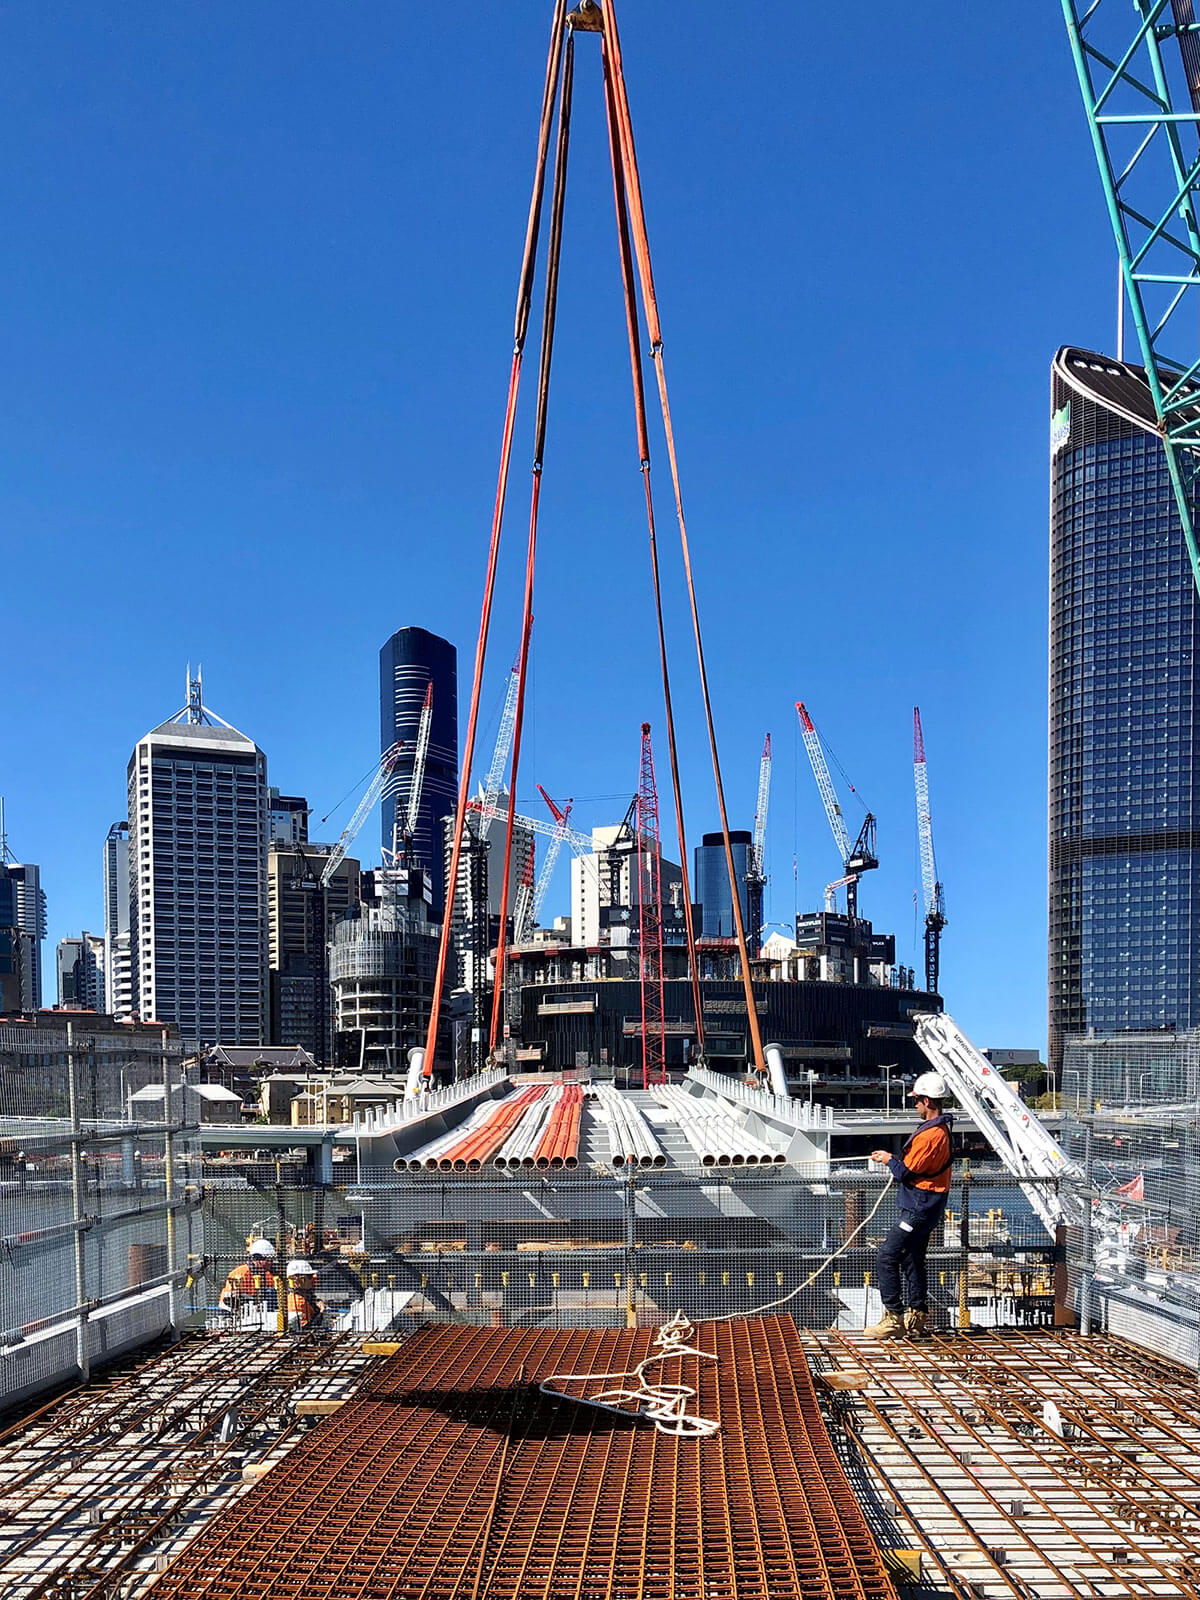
(408,826)
(858,857)
(561,819)
(1139,73)
(387,765)
(650,940)
(935,908)
(504,739)
(756,877)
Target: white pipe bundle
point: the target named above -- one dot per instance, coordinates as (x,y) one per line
(713,1134)
(427,1155)
(517,1150)
(630,1142)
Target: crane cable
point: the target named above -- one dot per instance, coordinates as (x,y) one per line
(643,444)
(521,324)
(614,75)
(549,309)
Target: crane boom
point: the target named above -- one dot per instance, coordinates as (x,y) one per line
(935,909)
(504,739)
(1027,1149)
(418,771)
(552,852)
(760,808)
(387,765)
(829,799)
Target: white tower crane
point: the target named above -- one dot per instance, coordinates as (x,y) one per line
(756,877)
(935,906)
(387,765)
(858,857)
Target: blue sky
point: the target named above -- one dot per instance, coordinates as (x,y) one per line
(257,301)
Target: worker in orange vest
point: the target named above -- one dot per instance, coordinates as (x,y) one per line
(304,1310)
(251,1281)
(922,1174)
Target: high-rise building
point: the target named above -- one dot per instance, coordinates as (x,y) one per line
(197,873)
(300,914)
(287,817)
(16,949)
(409,662)
(711,883)
(1124,811)
(603,877)
(382,967)
(80,970)
(27,906)
(118,956)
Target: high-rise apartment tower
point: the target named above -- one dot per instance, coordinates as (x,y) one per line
(118,957)
(1124,812)
(197,873)
(409,662)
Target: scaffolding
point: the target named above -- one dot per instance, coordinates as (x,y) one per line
(99,1196)
(1131,1104)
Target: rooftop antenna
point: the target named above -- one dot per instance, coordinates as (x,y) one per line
(195,694)
(6,854)
(194,710)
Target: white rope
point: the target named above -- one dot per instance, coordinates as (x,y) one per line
(664,1404)
(813,1276)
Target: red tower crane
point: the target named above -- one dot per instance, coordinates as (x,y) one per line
(649,860)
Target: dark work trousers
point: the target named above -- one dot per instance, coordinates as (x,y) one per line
(901,1265)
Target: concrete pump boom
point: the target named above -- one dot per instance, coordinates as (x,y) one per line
(1027,1149)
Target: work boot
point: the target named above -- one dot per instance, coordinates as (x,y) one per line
(916,1325)
(891,1327)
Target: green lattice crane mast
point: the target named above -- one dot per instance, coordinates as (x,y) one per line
(1138,63)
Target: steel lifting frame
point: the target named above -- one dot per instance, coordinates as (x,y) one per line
(1150,185)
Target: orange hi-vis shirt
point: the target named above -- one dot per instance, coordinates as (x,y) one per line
(923,1167)
(244,1280)
(301,1305)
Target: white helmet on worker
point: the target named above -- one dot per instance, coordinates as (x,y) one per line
(261,1247)
(929,1086)
(296,1268)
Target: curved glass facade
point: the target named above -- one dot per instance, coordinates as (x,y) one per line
(711,885)
(1124,886)
(411,660)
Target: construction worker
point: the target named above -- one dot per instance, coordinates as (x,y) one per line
(251,1282)
(304,1310)
(922,1172)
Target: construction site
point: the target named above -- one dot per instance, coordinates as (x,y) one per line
(592,1300)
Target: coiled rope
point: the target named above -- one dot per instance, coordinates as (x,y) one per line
(665,1404)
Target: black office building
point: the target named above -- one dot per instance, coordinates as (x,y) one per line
(1124,801)
(411,660)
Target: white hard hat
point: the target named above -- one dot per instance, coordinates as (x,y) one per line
(261,1247)
(932,1085)
(300,1269)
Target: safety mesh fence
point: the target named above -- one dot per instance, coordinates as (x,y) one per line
(1131,1105)
(530,1251)
(96,1225)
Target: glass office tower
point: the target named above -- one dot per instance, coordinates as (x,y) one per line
(711,883)
(411,660)
(1124,884)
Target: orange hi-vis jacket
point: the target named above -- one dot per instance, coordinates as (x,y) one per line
(302,1306)
(251,1284)
(922,1169)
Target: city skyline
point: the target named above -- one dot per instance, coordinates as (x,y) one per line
(274,378)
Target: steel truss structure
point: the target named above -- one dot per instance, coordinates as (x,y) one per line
(1139,72)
